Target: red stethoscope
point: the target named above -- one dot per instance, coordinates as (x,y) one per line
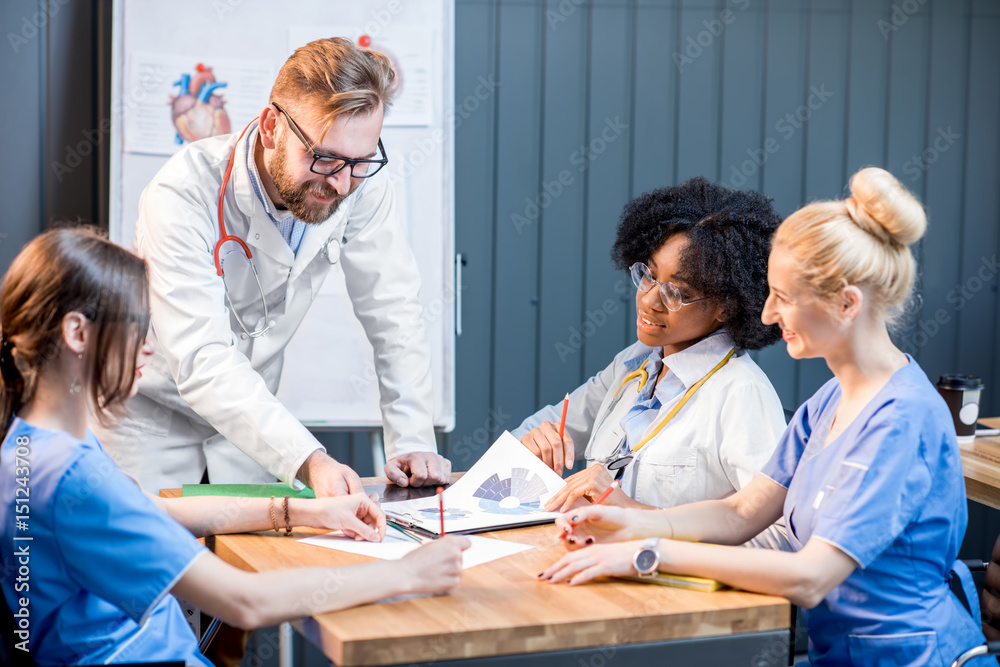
(224,237)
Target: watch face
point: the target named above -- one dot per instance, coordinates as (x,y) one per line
(645,561)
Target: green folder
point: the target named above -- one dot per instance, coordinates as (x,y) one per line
(246,490)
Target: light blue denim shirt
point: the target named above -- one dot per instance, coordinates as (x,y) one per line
(291,229)
(653,396)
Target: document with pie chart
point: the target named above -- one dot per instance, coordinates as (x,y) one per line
(507,487)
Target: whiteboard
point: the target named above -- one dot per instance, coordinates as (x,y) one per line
(246,42)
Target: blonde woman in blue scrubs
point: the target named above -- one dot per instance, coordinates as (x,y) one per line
(868,474)
(684,413)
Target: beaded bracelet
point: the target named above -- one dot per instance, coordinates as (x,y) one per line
(288,523)
(270,507)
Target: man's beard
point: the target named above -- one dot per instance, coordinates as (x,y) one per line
(295,195)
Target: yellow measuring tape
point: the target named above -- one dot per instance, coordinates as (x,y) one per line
(684,399)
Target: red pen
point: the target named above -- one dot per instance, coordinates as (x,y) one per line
(562,423)
(607,492)
(440,492)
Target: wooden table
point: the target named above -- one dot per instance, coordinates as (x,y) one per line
(501,609)
(981,465)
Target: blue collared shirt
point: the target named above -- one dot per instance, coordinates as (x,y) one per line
(653,396)
(290,228)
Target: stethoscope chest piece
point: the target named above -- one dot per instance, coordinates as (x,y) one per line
(331,251)
(618,465)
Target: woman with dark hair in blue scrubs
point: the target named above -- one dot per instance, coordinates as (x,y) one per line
(102,557)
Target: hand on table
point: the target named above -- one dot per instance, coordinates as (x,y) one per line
(600,523)
(436,566)
(586,484)
(598,560)
(418,469)
(543,441)
(357,515)
(327,477)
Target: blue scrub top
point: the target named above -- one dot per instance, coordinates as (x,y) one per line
(888,492)
(101,559)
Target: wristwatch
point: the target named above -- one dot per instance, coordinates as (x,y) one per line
(647,559)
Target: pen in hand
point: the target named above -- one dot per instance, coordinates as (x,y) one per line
(597,501)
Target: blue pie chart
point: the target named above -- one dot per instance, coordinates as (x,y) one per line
(521,493)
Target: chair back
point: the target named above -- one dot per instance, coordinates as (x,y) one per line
(989,598)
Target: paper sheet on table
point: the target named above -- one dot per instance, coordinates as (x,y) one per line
(507,487)
(396,545)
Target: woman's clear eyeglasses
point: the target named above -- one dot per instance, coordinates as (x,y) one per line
(669,292)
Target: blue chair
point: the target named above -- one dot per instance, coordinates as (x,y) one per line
(989,606)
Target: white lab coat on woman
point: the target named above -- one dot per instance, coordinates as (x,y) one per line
(208,384)
(714,446)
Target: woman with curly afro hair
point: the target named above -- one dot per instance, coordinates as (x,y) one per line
(684,413)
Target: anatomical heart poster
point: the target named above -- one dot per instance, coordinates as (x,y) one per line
(169,101)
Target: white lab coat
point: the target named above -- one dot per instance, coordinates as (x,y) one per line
(715,445)
(208,385)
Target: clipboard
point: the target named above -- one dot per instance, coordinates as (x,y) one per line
(506,488)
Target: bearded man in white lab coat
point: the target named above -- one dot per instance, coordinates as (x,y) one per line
(306,190)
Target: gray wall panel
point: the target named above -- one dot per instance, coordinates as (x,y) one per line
(21,179)
(563,195)
(606,168)
(936,170)
(868,51)
(781,172)
(825,99)
(517,176)
(698,94)
(907,108)
(742,106)
(977,334)
(475,142)
(653,119)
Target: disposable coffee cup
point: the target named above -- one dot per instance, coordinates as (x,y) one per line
(961,393)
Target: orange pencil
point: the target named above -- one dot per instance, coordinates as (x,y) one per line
(607,492)
(440,492)
(597,501)
(562,422)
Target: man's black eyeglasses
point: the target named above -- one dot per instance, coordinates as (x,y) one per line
(328,165)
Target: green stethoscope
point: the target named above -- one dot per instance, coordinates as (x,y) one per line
(622,462)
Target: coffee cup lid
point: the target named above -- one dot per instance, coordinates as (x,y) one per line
(960,382)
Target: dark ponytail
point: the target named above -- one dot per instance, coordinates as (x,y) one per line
(11,383)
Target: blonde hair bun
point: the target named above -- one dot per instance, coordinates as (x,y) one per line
(881,206)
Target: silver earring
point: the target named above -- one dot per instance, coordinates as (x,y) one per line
(75,387)
(80,356)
